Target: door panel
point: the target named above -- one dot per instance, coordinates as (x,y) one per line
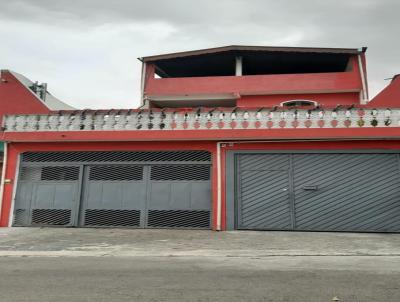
(264,192)
(160,196)
(133,195)
(352,192)
(114,195)
(111,196)
(54,203)
(200,195)
(63,194)
(44,196)
(180,196)
(23,203)
(264,200)
(47,195)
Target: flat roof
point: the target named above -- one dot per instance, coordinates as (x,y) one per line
(252,48)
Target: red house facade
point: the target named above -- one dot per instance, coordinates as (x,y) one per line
(237,137)
(19,95)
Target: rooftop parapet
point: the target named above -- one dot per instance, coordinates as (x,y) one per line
(203,119)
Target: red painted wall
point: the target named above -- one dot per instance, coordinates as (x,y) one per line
(256,84)
(202,135)
(389,96)
(16,99)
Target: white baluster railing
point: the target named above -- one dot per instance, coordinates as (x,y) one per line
(216,119)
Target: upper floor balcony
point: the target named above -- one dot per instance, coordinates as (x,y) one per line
(221,76)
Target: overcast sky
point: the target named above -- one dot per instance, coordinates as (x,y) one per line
(87,50)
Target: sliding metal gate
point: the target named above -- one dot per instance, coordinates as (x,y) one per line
(161,189)
(319,192)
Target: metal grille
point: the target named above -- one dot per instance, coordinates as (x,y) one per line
(178,219)
(20,217)
(179,172)
(117,156)
(116,172)
(99,217)
(60,173)
(51,216)
(49,173)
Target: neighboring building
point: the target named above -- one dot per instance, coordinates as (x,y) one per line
(19,95)
(237,137)
(388,97)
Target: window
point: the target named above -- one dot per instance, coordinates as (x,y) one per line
(299,103)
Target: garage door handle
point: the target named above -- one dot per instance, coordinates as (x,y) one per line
(310,188)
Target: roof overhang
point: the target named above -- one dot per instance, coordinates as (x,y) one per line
(350,51)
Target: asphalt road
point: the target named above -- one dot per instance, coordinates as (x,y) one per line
(159,265)
(45,279)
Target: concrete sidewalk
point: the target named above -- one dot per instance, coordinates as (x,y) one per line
(180,243)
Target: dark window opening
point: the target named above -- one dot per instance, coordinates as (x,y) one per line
(294,63)
(209,65)
(253,63)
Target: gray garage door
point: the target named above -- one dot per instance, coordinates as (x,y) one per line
(114,189)
(318,192)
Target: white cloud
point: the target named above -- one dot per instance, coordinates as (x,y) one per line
(87,50)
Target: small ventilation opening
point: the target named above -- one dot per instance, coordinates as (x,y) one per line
(183,173)
(51,216)
(299,103)
(49,173)
(20,217)
(117,156)
(116,173)
(112,218)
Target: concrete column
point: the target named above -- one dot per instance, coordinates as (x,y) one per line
(239,67)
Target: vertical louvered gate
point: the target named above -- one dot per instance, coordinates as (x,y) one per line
(115,189)
(319,192)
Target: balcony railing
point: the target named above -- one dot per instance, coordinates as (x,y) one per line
(217,119)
